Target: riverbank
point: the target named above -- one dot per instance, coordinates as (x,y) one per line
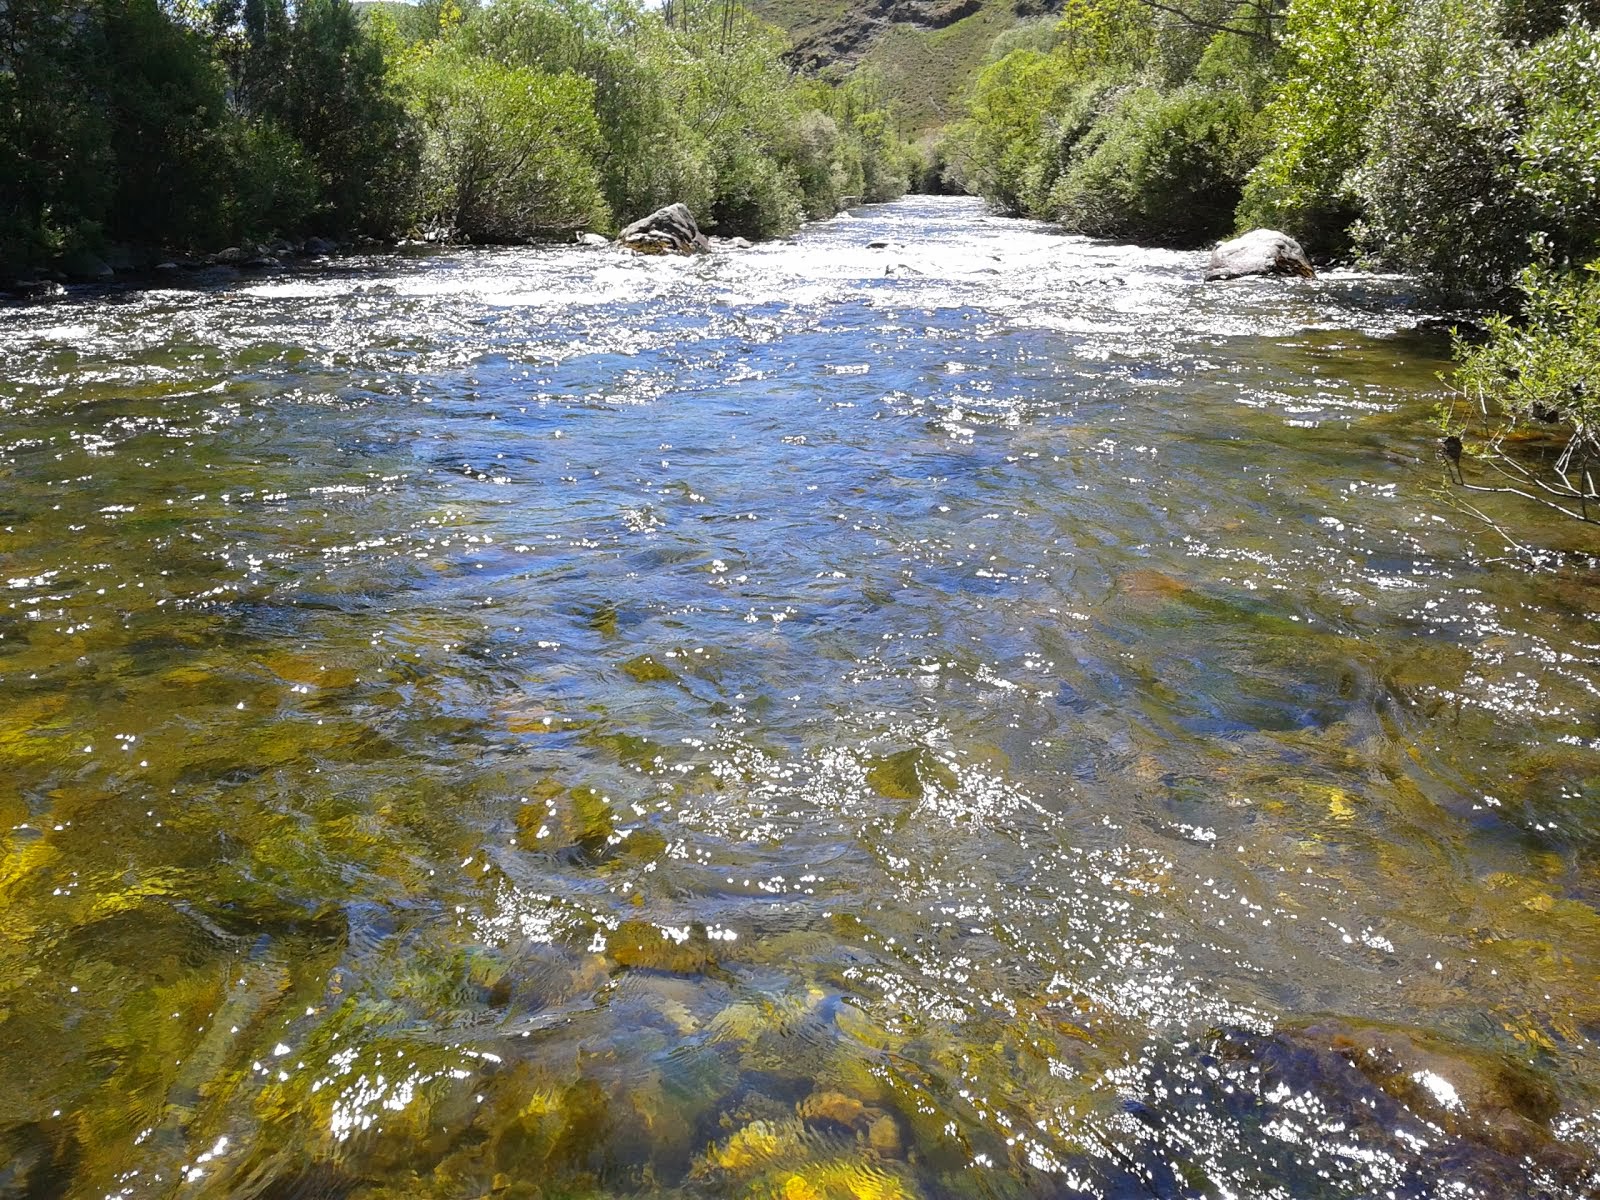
(146,269)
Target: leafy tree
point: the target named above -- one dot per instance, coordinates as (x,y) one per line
(1438,190)
(198,122)
(337,101)
(1558,148)
(1525,22)
(509,150)
(165,111)
(1005,147)
(55,157)
(648,158)
(1318,121)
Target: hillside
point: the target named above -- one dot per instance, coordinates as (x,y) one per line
(924,52)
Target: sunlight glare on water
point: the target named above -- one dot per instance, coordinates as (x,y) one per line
(933,708)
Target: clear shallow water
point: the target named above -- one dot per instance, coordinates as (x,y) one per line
(991,716)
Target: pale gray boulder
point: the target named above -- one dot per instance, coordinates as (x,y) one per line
(1259,252)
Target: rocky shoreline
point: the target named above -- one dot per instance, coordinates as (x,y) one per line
(671,230)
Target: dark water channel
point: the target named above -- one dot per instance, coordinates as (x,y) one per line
(988,717)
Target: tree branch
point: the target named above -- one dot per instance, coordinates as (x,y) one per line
(1217,26)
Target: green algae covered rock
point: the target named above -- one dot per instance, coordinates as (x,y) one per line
(641,945)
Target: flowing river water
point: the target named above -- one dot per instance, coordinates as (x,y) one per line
(991,716)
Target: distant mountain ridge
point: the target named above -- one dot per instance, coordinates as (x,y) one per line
(924,52)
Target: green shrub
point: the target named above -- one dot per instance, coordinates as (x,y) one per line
(509,152)
(1558,149)
(1438,187)
(1167,167)
(272,189)
(1545,363)
(652,154)
(1002,149)
(826,170)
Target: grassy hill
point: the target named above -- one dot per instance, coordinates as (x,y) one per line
(924,52)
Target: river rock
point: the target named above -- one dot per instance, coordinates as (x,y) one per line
(35,289)
(1259,252)
(320,246)
(86,268)
(646,947)
(123,260)
(593,239)
(832,1106)
(1475,1095)
(670,230)
(883,1135)
(1392,1083)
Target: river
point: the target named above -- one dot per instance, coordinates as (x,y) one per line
(986,716)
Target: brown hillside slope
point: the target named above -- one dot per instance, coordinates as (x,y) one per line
(924,53)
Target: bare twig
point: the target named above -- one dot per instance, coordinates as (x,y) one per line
(1189,18)
(1461,505)
(1581,515)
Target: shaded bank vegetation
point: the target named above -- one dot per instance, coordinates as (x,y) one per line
(187,125)
(1453,139)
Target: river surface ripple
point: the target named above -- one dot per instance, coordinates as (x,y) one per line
(987,715)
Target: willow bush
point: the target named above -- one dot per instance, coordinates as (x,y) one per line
(510,152)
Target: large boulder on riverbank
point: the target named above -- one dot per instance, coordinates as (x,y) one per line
(1259,252)
(669,230)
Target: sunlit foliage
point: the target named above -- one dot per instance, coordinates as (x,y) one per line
(187,125)
(1128,125)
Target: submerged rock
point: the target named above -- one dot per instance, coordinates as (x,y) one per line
(1259,252)
(669,230)
(1478,1096)
(832,1106)
(1394,1086)
(647,947)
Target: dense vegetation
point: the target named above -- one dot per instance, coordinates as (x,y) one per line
(188,125)
(1455,139)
